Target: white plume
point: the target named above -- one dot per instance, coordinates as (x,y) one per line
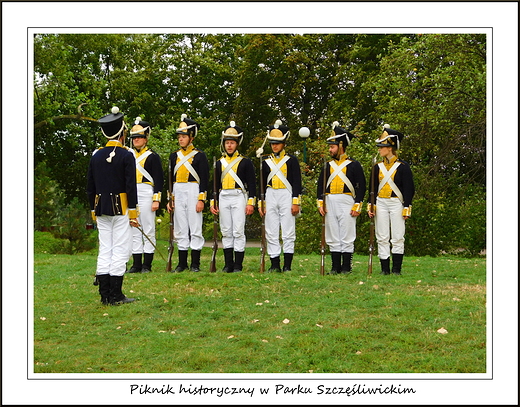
(115,110)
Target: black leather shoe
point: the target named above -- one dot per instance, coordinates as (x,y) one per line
(146,270)
(195,269)
(134,270)
(125,300)
(179,269)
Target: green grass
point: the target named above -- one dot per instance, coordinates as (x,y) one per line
(249,322)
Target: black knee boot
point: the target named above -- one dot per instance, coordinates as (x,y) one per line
(287,261)
(239,259)
(336,262)
(104,288)
(138,263)
(275,265)
(195,261)
(385,266)
(116,293)
(183,261)
(397,262)
(228,260)
(147,264)
(346,266)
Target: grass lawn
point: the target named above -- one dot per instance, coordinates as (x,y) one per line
(431,319)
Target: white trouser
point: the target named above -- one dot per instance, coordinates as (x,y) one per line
(115,244)
(232,210)
(187,221)
(141,244)
(390,227)
(278,204)
(340,225)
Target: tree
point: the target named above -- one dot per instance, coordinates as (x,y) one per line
(431,87)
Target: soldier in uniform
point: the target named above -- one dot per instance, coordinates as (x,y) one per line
(150,179)
(282,178)
(112,195)
(190,175)
(235,175)
(394,190)
(345,188)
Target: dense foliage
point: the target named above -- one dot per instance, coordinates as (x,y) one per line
(432,87)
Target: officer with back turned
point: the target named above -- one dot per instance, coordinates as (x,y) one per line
(112,195)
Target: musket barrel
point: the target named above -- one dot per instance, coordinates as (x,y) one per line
(262,205)
(322,248)
(213,264)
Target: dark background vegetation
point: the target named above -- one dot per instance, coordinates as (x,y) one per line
(431,87)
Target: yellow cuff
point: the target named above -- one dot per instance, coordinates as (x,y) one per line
(156,197)
(371,208)
(202,196)
(357,207)
(251,201)
(407,211)
(296,201)
(261,204)
(132,213)
(319,203)
(93,213)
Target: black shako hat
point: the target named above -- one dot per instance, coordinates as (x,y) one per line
(188,126)
(278,133)
(389,138)
(112,125)
(140,128)
(340,136)
(233,132)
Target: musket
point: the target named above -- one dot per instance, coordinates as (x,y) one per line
(372,219)
(170,192)
(140,229)
(262,205)
(322,246)
(213,264)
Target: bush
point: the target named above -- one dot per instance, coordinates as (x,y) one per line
(72,227)
(48,198)
(438,226)
(45,242)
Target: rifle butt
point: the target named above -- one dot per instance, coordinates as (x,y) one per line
(371,256)
(262,257)
(322,263)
